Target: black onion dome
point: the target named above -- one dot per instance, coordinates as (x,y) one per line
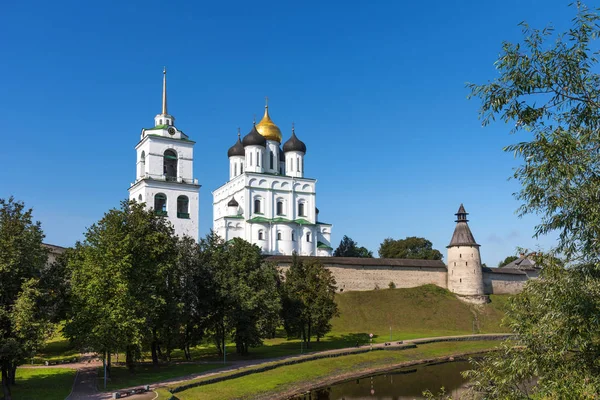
(254,138)
(236,150)
(232,203)
(294,144)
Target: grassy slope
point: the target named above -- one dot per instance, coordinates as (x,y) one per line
(424,311)
(288,377)
(43,383)
(417,312)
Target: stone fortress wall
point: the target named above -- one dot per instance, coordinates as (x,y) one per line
(359,274)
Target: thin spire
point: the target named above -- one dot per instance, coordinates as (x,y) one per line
(164,94)
(293,129)
(239,134)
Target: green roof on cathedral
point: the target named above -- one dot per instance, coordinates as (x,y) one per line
(299,221)
(321,245)
(157,127)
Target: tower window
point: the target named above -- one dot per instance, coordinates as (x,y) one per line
(271,161)
(261,235)
(279,207)
(142,164)
(170,164)
(293,236)
(308,236)
(234,169)
(183,210)
(257,159)
(250,159)
(160,204)
(257,206)
(278,235)
(140,197)
(301,209)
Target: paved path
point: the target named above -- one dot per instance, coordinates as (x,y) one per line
(84,386)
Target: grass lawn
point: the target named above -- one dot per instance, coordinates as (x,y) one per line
(289,377)
(43,383)
(146,374)
(56,348)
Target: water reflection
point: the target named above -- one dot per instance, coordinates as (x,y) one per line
(398,385)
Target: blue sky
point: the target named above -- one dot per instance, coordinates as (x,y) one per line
(376,90)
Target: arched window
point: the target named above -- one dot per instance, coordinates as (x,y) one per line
(261,235)
(271,160)
(142,163)
(170,164)
(308,236)
(183,207)
(301,209)
(160,122)
(278,235)
(279,207)
(250,159)
(234,169)
(293,236)
(257,206)
(140,197)
(160,204)
(257,159)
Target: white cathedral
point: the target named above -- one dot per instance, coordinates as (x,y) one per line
(165,174)
(268,201)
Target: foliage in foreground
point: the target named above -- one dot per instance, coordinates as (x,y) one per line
(548,88)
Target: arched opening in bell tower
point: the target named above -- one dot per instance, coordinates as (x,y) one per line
(170,164)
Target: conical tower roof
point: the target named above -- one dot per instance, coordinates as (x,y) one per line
(462,233)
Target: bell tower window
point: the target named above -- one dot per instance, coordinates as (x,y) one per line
(279,207)
(170,165)
(160,204)
(301,209)
(183,209)
(257,206)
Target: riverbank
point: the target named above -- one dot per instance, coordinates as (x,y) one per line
(290,380)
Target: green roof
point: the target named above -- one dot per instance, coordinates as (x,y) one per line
(301,221)
(258,220)
(158,127)
(322,223)
(235,216)
(278,220)
(321,245)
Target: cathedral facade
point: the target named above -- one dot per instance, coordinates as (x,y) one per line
(268,201)
(165,174)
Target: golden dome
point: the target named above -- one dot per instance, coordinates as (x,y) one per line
(267,128)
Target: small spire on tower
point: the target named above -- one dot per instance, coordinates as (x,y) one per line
(293,129)
(239,133)
(164,93)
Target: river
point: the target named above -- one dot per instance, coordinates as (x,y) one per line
(398,384)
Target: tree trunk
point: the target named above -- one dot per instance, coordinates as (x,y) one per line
(108,364)
(129,358)
(13,374)
(6,382)
(308,338)
(154,353)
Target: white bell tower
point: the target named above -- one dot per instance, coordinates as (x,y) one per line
(164,173)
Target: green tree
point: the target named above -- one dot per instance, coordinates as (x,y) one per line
(23,324)
(507,261)
(309,300)
(120,283)
(349,248)
(549,90)
(245,301)
(412,247)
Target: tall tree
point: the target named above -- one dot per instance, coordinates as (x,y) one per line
(246,303)
(349,248)
(412,247)
(548,88)
(120,282)
(309,300)
(22,257)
